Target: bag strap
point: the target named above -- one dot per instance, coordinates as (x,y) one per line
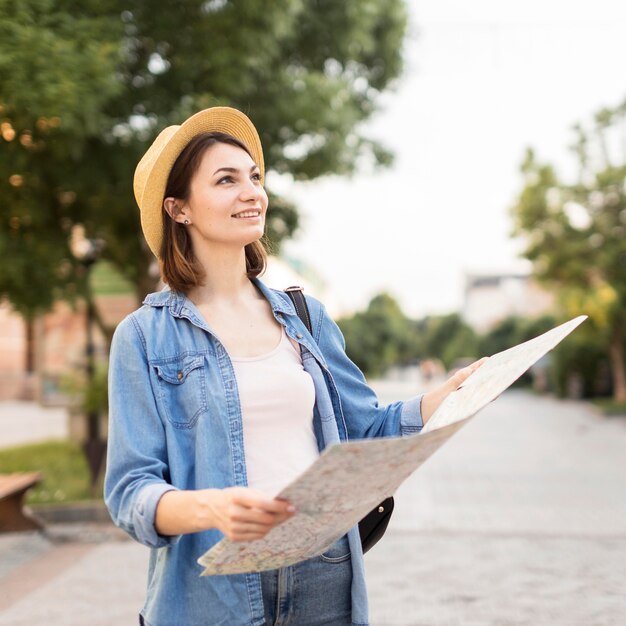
(296,294)
(373,526)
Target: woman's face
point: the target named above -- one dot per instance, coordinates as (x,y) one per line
(227,202)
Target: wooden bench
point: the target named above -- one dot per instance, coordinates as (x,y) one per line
(13,488)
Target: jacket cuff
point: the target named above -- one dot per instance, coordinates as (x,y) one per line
(411,416)
(145,513)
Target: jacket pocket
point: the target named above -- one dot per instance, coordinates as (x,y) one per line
(181,385)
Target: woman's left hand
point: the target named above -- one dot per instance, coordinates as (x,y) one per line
(432,399)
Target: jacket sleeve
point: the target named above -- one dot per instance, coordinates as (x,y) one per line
(363,416)
(137,471)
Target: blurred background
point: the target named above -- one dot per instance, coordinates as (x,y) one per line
(448,177)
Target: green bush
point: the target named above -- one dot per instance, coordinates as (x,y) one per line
(379,337)
(382,336)
(610,407)
(62,465)
(580,367)
(90,396)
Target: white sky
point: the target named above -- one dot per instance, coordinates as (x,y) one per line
(482,81)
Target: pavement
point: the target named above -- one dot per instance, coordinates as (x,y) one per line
(518,520)
(27,422)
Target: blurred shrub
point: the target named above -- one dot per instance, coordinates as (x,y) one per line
(580,367)
(449,338)
(91,396)
(382,336)
(62,464)
(379,337)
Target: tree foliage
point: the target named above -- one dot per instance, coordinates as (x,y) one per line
(448,338)
(575,233)
(382,336)
(379,337)
(85,87)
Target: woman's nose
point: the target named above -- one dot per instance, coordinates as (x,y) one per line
(251,190)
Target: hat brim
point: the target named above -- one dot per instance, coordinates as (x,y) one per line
(150,191)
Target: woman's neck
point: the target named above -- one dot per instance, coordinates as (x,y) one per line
(226,281)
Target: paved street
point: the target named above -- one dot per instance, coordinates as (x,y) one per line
(519,520)
(26,422)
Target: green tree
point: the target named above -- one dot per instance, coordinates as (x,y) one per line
(579,367)
(575,233)
(378,337)
(448,337)
(512,331)
(85,87)
(503,335)
(56,71)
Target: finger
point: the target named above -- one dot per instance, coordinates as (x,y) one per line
(472,367)
(463,374)
(240,513)
(476,364)
(248,532)
(246,537)
(270,505)
(279,518)
(250,528)
(258,526)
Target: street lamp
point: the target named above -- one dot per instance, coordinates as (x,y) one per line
(87,251)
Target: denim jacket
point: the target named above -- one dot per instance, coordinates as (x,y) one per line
(175,423)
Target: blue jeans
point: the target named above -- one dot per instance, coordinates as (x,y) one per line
(316,592)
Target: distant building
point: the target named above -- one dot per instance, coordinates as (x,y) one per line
(35,358)
(490,298)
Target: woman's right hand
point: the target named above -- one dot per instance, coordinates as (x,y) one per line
(244,514)
(241,513)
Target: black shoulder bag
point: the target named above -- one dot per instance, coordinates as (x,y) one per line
(373,526)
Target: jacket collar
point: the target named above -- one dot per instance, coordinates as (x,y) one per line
(176,301)
(180,306)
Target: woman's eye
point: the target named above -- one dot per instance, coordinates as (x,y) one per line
(256,176)
(225,179)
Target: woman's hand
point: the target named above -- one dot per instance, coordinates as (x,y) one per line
(241,513)
(244,514)
(432,399)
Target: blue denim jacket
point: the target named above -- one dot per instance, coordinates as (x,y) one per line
(175,423)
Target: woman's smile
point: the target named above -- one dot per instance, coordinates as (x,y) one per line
(248,214)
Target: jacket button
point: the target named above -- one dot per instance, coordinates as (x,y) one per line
(299,335)
(179,375)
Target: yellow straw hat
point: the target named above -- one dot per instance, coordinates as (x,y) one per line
(154,168)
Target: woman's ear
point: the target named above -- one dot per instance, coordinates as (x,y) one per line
(174,210)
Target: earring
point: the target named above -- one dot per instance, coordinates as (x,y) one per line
(186,222)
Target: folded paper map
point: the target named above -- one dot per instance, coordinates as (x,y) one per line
(350,478)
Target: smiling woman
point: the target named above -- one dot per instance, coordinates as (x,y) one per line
(217,393)
(179,265)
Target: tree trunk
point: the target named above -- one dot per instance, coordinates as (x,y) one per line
(616,353)
(29,326)
(106,330)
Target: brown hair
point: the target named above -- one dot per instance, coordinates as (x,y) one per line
(180,268)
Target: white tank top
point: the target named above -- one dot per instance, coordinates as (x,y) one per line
(277,398)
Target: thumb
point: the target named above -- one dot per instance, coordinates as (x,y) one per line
(463,374)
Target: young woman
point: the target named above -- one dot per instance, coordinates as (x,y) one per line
(217,390)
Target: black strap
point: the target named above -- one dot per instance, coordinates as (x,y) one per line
(373,526)
(296,294)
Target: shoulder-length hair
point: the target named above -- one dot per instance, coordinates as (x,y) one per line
(180,268)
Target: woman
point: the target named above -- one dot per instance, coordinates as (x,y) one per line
(215,394)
